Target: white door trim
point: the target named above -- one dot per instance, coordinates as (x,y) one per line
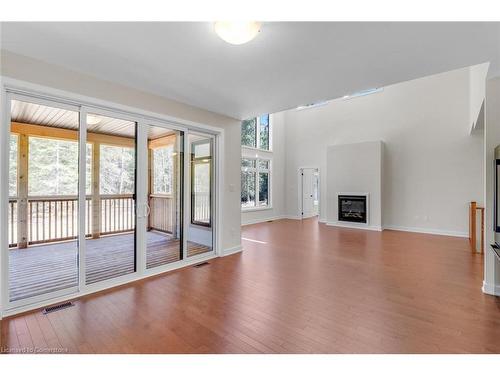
(299,184)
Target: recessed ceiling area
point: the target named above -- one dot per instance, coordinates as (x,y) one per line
(288,64)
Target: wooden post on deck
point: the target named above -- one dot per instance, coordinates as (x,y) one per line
(472,226)
(473,208)
(96,197)
(22,191)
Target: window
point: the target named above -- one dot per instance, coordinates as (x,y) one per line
(248,133)
(201,181)
(163,169)
(255,183)
(255,133)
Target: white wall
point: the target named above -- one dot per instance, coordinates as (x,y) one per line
(355,168)
(492,140)
(477,91)
(277,155)
(432,165)
(38,72)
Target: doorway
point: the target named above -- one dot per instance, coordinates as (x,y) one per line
(309,192)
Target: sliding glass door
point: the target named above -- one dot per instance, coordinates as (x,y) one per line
(164,240)
(43,212)
(110,219)
(201,195)
(97,198)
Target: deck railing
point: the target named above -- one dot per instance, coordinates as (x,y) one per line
(163,214)
(201,208)
(117,213)
(12,219)
(55,218)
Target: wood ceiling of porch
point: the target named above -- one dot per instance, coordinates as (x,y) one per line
(36,114)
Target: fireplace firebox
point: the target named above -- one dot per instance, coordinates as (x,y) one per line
(352,208)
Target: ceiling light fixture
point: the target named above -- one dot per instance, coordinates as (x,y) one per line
(237,32)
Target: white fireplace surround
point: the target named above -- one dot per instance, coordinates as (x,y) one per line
(355,169)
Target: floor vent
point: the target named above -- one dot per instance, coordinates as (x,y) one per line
(201,264)
(62,306)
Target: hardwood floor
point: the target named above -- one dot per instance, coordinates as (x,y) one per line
(298,287)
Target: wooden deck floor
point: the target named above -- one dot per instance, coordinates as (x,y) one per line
(48,268)
(297,287)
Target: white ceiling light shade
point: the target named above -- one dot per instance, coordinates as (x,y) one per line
(237,32)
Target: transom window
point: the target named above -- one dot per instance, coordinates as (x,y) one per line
(255,183)
(255,132)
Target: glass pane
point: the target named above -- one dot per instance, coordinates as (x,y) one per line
(201,150)
(247,163)
(162,160)
(199,233)
(264,164)
(249,133)
(247,189)
(43,204)
(264,132)
(164,229)
(53,160)
(110,206)
(117,170)
(263,189)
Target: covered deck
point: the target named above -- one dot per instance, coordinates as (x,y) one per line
(50,267)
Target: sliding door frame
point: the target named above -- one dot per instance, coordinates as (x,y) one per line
(4,246)
(15,89)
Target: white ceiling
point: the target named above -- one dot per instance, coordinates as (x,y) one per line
(288,64)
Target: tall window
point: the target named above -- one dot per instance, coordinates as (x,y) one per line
(255,132)
(163,172)
(255,183)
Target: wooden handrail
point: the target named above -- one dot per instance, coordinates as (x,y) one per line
(473,208)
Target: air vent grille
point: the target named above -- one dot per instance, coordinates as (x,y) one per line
(201,264)
(61,306)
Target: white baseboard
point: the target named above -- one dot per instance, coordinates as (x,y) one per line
(292,217)
(376,228)
(231,250)
(322,220)
(428,231)
(492,289)
(263,220)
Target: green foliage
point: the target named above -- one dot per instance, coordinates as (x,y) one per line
(117,170)
(53,167)
(163,163)
(248,133)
